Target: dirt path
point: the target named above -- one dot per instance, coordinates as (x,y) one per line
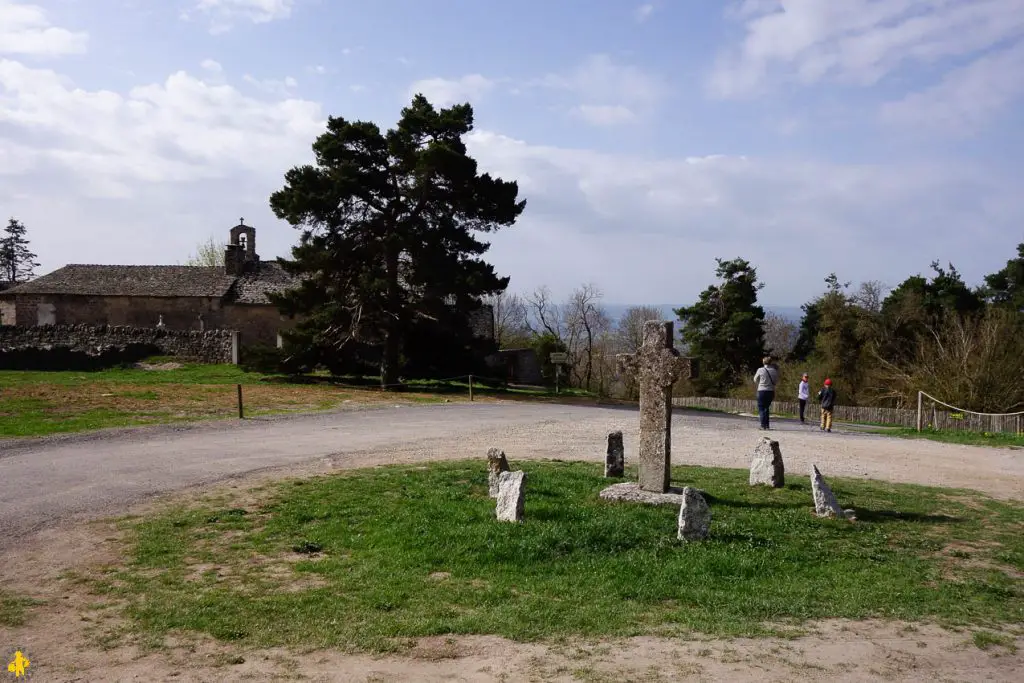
(60,638)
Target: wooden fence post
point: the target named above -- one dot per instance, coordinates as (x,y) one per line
(920,402)
(471,387)
(240,414)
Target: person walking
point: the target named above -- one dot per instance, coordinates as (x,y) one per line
(803,393)
(827,399)
(765,379)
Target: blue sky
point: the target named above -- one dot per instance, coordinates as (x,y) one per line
(866,137)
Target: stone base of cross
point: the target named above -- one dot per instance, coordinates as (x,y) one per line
(658,366)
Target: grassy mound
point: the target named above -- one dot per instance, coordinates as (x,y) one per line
(366,558)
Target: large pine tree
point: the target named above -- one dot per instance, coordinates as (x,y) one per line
(387,253)
(17,263)
(725,328)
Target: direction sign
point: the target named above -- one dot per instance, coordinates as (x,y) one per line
(559,357)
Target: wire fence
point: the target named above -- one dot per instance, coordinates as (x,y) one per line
(933,413)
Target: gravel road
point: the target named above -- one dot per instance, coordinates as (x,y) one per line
(51,481)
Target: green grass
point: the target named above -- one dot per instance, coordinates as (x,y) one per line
(984,640)
(13,609)
(994,439)
(187,374)
(370,558)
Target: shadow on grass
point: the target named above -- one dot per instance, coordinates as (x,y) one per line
(880,516)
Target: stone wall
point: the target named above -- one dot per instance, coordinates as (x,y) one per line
(210,346)
(259,324)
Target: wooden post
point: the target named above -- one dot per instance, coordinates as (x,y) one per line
(920,401)
(240,414)
(471,387)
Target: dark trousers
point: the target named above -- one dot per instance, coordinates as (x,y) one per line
(803,404)
(764,402)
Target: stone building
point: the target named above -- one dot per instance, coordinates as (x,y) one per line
(232,296)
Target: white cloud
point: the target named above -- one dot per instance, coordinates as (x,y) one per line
(855,42)
(607,92)
(605,114)
(318,69)
(967,98)
(224,13)
(26,30)
(644,12)
(444,92)
(653,227)
(280,87)
(181,130)
(212,65)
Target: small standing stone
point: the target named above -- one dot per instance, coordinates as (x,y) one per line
(825,503)
(496,464)
(511,496)
(615,460)
(694,516)
(766,466)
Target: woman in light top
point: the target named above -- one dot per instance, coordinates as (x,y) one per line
(766,377)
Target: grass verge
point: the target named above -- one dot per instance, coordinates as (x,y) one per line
(994,439)
(41,403)
(370,558)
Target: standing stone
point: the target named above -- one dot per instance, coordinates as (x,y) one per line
(766,466)
(496,464)
(511,496)
(694,516)
(825,503)
(615,459)
(658,366)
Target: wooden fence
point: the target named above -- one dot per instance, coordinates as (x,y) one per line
(933,417)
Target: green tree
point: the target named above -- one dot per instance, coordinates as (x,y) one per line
(387,246)
(1006,287)
(17,263)
(209,253)
(725,328)
(810,323)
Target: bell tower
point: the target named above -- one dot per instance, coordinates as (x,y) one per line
(240,256)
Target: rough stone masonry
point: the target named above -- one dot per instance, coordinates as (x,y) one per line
(496,464)
(766,467)
(511,496)
(657,365)
(615,458)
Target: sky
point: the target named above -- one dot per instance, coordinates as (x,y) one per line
(863,137)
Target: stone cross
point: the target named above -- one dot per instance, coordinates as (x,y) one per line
(657,365)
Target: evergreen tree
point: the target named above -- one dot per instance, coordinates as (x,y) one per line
(725,328)
(810,323)
(17,263)
(1006,287)
(387,251)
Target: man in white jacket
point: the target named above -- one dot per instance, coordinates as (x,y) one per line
(803,393)
(766,377)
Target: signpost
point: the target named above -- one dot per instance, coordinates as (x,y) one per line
(559,358)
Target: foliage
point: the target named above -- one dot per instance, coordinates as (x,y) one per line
(544,345)
(17,263)
(511,325)
(209,254)
(371,558)
(1006,287)
(725,328)
(387,249)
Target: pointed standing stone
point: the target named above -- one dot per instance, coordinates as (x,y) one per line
(767,467)
(615,459)
(511,496)
(658,366)
(496,464)
(825,503)
(694,516)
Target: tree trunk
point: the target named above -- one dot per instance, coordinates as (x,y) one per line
(392,329)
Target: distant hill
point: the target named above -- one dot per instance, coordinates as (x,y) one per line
(791,313)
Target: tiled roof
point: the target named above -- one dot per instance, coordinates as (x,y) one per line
(252,288)
(169,281)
